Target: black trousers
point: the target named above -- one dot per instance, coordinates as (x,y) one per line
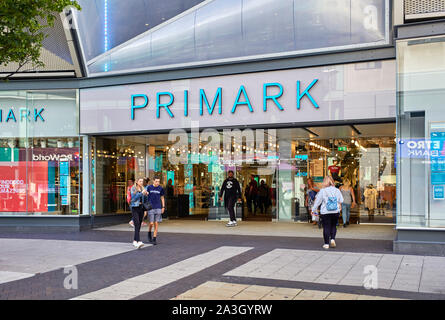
(230,206)
(137,214)
(262,203)
(329,222)
(252,203)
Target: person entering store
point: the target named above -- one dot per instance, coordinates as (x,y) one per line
(157,200)
(232,192)
(330,200)
(251,194)
(311,193)
(263,197)
(349,201)
(138,198)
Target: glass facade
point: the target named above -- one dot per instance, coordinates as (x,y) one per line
(195,182)
(421,132)
(40,159)
(276,162)
(105,24)
(221,30)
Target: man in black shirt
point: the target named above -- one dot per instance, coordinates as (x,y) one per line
(232,192)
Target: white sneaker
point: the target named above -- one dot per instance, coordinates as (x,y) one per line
(230,224)
(135,244)
(234,223)
(140,244)
(333,244)
(325,246)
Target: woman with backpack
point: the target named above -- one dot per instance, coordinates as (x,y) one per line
(330,199)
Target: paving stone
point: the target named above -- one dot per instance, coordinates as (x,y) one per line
(312,295)
(365,297)
(259,289)
(249,295)
(287,291)
(341,296)
(276,296)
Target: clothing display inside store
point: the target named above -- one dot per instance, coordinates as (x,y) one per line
(367,162)
(276,189)
(370,195)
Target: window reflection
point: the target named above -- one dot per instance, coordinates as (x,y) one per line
(227,29)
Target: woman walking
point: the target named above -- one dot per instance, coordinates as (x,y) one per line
(311,193)
(348,201)
(138,198)
(330,199)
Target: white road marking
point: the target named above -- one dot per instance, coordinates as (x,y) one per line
(7,276)
(150,281)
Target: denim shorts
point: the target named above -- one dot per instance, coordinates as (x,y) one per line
(155,215)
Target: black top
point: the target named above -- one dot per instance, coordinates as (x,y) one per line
(231,188)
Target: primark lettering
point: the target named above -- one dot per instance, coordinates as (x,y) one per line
(22,114)
(242,99)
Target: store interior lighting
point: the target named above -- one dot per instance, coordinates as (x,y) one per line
(358,145)
(313,144)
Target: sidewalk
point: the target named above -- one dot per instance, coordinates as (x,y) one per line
(216,266)
(259,228)
(212,290)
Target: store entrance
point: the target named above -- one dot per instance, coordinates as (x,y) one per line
(275,170)
(258,184)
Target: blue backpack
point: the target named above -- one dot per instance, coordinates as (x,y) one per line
(332,204)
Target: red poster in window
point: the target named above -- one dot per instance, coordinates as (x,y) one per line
(16,182)
(38,186)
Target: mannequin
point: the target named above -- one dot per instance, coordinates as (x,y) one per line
(335,171)
(370,201)
(380,200)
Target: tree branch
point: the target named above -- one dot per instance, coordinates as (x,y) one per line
(21,65)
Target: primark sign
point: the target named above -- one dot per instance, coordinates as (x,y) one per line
(21,115)
(39,114)
(285,97)
(242,99)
